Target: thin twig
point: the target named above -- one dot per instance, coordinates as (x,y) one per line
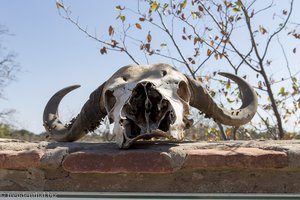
(278,31)
(114,47)
(263,9)
(175,44)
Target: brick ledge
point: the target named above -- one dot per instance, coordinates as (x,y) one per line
(149,157)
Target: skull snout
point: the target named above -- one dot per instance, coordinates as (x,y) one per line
(146,110)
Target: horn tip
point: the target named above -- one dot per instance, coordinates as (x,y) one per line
(225,74)
(75,86)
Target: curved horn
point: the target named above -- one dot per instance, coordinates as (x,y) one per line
(201,100)
(87,120)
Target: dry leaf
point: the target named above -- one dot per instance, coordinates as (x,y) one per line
(137,25)
(111,31)
(119,7)
(199,78)
(208,52)
(59,5)
(114,43)
(207,77)
(103,50)
(262,29)
(149,37)
(284,12)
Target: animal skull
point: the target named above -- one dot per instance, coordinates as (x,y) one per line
(144,102)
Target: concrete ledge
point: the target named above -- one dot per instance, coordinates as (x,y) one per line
(233,166)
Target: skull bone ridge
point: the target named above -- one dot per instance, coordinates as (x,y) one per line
(146,101)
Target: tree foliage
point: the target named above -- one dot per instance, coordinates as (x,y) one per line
(8,132)
(8,69)
(199,34)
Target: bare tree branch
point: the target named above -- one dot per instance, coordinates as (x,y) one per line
(175,44)
(279,30)
(114,47)
(264,9)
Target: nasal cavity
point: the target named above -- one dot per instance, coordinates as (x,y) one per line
(145,84)
(183,91)
(110,100)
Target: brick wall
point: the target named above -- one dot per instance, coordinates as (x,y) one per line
(233,166)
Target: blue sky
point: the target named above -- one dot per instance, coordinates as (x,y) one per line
(53,54)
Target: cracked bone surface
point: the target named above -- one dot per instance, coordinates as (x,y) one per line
(146,110)
(146,101)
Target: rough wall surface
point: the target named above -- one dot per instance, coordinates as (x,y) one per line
(233,166)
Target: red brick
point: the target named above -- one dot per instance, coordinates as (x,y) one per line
(117,161)
(20,159)
(235,158)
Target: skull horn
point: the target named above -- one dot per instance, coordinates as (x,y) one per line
(201,100)
(87,120)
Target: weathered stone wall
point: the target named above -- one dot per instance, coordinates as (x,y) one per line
(234,166)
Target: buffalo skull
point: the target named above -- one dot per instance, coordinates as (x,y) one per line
(146,101)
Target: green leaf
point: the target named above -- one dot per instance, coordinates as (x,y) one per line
(238,3)
(162,45)
(196,15)
(281,91)
(230,100)
(236,9)
(165,6)
(212,93)
(123,18)
(183,5)
(228,84)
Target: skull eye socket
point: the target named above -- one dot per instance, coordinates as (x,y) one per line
(125,78)
(163,72)
(183,91)
(110,100)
